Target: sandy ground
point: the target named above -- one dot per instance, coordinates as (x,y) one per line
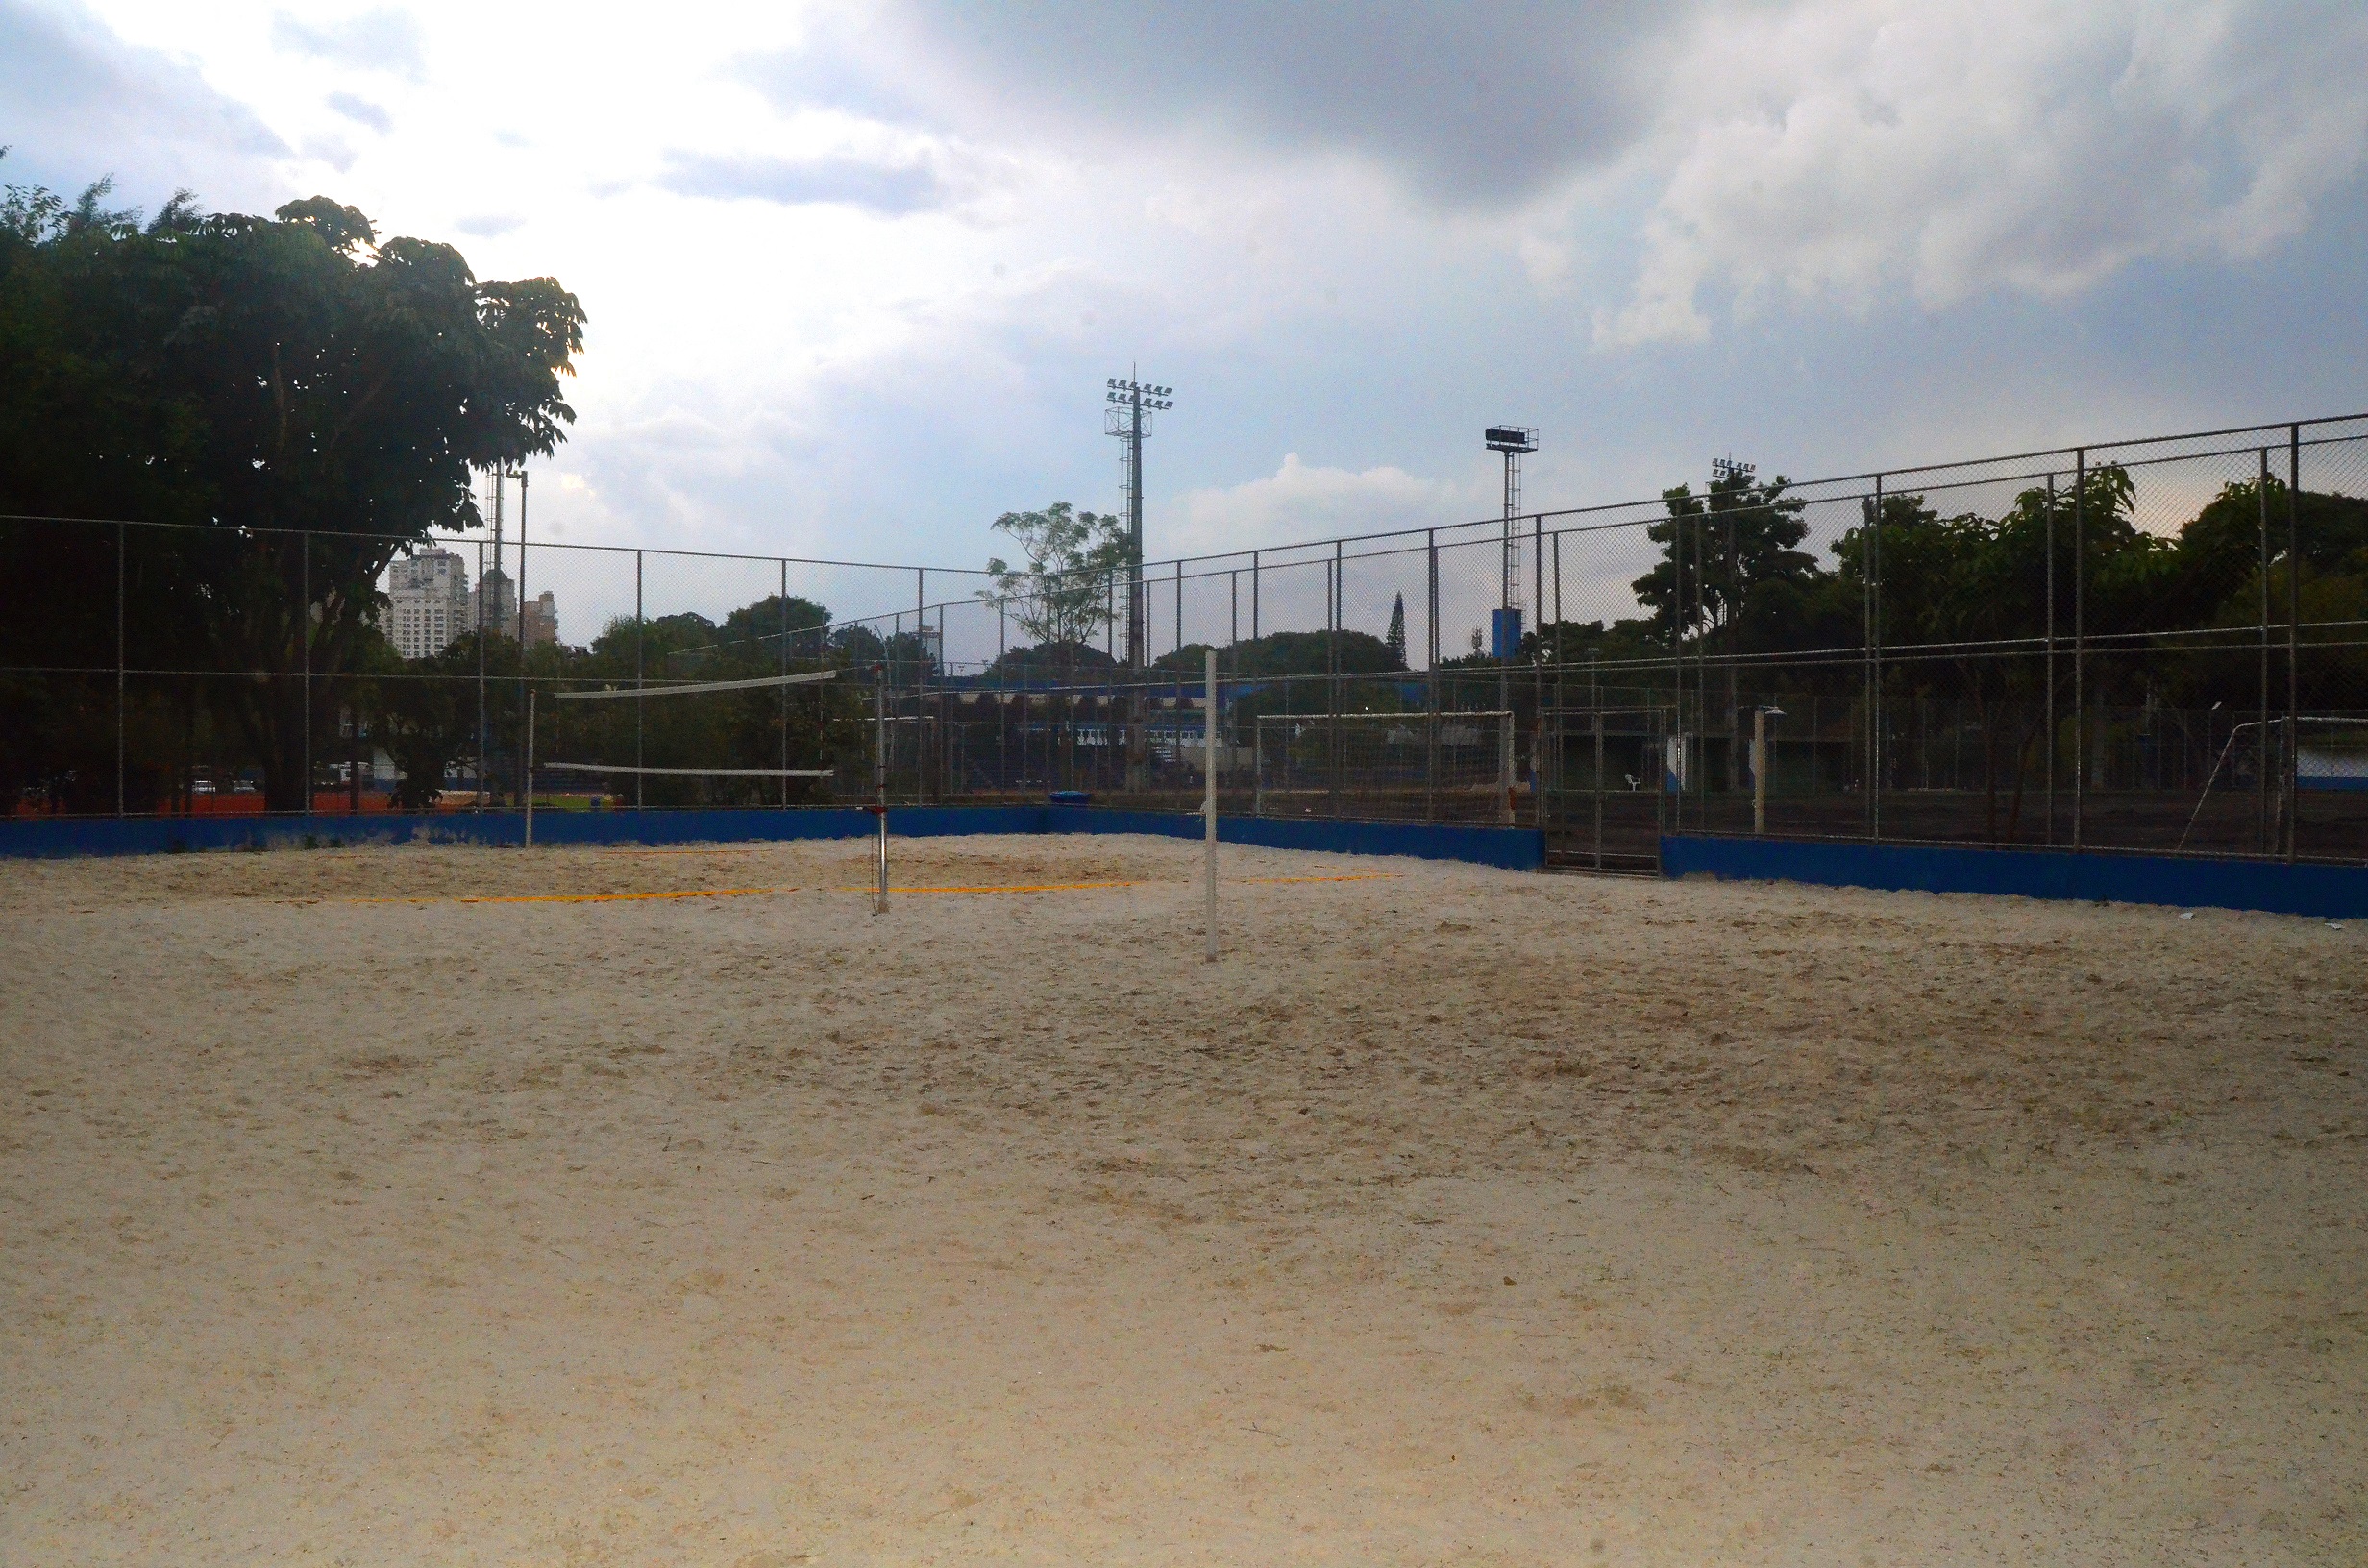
(1455,1217)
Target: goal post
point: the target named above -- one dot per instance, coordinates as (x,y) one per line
(1453,765)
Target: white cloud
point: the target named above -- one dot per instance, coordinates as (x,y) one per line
(1840,148)
(81,102)
(854,276)
(383,40)
(1297,501)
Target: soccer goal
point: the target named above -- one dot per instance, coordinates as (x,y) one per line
(671,731)
(1452,766)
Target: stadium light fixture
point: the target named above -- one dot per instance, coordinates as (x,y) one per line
(1128,417)
(1505,624)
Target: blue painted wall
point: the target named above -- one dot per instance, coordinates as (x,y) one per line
(2336,892)
(1512,847)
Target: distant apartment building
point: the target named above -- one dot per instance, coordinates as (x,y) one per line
(430,605)
(496,603)
(428,602)
(542,624)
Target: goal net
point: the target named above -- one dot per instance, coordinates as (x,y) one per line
(1456,767)
(716,743)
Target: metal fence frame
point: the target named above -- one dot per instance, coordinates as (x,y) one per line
(1340,585)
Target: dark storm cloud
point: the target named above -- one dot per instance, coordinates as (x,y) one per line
(893,189)
(384,39)
(81,102)
(1471,104)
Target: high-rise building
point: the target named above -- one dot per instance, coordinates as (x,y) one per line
(497,598)
(428,602)
(542,624)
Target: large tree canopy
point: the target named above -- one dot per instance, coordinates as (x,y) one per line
(304,399)
(1064,594)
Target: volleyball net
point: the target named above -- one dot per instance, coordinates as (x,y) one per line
(712,743)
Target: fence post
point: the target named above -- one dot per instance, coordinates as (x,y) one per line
(525,780)
(783,598)
(1759,772)
(1874,670)
(2293,638)
(481,722)
(1504,763)
(1430,738)
(920,685)
(641,637)
(879,787)
(121,540)
(2051,660)
(1258,766)
(304,637)
(1332,678)
(1208,752)
(1254,596)
(1598,713)
(2080,643)
(2261,782)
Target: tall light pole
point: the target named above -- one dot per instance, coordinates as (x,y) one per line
(1505,625)
(1129,419)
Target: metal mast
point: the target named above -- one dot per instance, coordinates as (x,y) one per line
(1129,419)
(1513,440)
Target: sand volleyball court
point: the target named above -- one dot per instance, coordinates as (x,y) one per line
(461,1206)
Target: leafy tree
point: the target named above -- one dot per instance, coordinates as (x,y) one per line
(1289,654)
(1720,546)
(250,378)
(1043,663)
(755,629)
(1063,596)
(426,712)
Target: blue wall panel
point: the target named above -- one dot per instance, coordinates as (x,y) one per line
(1514,849)
(2337,892)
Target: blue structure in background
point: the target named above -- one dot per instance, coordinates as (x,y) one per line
(1505,634)
(1514,849)
(2334,892)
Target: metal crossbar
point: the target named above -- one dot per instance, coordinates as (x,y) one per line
(686,772)
(808,678)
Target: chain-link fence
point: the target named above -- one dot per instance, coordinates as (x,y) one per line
(2151,645)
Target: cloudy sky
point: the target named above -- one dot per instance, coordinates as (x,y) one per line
(856,272)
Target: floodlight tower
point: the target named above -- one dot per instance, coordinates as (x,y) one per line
(1505,628)
(1129,417)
